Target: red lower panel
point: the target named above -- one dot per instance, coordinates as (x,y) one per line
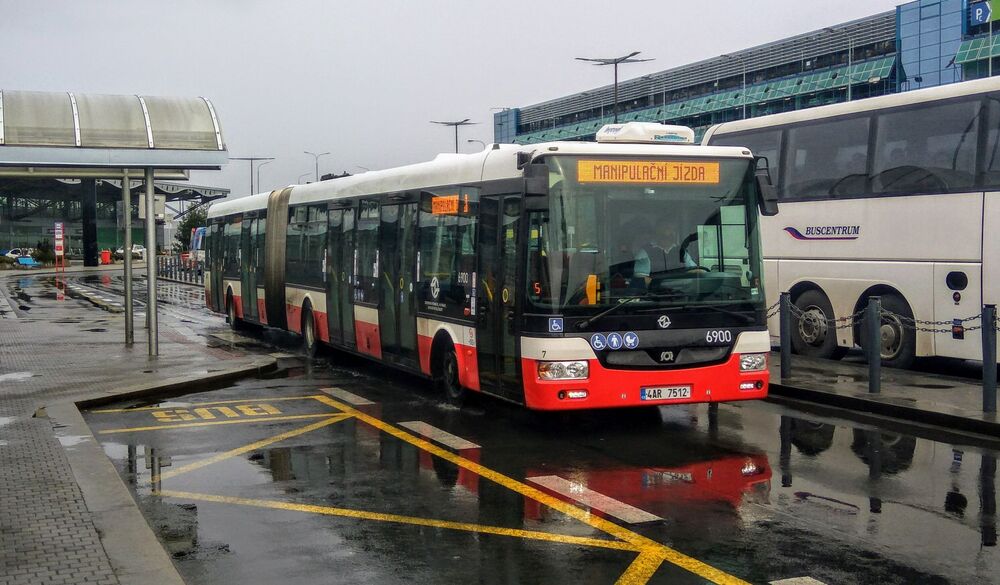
(368,339)
(208,300)
(617,388)
(322,326)
(294,316)
(262,311)
(424,352)
(238,301)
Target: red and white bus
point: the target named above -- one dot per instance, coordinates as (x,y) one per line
(567,275)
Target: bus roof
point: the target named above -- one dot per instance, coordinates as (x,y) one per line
(498,161)
(863,105)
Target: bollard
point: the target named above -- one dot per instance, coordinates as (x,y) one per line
(785,332)
(989,358)
(873,349)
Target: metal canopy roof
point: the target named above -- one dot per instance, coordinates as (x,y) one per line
(57,129)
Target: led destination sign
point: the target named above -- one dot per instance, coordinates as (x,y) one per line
(647,171)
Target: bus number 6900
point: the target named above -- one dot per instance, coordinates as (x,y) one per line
(719,336)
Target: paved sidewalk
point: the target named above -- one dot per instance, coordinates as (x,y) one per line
(950,402)
(64,350)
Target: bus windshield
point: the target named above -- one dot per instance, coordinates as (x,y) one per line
(661,232)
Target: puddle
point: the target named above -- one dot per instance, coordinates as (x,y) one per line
(71,440)
(96,330)
(16,377)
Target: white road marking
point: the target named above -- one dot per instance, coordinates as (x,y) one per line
(347,396)
(435,434)
(798,581)
(594,500)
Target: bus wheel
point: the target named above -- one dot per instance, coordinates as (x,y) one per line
(308,333)
(812,334)
(447,378)
(897,343)
(234,323)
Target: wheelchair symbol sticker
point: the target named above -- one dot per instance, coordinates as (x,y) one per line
(598,342)
(555,324)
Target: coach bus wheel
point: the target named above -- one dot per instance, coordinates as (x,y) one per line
(897,342)
(231,312)
(308,333)
(447,378)
(812,334)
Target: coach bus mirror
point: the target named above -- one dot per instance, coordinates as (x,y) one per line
(768,201)
(536,179)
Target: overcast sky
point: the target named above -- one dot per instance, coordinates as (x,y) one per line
(362,79)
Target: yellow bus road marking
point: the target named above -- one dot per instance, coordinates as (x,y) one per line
(412,520)
(197,404)
(219,422)
(214,412)
(252,446)
(647,545)
(641,570)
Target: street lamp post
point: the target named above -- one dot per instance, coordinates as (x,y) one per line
(316,160)
(615,61)
(481,143)
(456,124)
(299,180)
(258,170)
(251,159)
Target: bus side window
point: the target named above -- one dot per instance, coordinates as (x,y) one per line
(827,159)
(766,144)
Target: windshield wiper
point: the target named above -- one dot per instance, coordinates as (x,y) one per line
(590,321)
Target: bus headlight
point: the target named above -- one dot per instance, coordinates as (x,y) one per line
(753,362)
(563,370)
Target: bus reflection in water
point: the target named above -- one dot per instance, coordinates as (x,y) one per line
(569,275)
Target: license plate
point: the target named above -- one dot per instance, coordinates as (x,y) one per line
(666,393)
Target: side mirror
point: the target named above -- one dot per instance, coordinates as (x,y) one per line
(768,201)
(536,179)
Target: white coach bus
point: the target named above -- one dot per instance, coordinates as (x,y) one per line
(897,196)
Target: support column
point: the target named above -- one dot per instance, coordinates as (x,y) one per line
(127,249)
(152,331)
(88,207)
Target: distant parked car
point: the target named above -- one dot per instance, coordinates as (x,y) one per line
(138,251)
(15,253)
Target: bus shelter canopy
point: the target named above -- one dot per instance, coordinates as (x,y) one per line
(80,131)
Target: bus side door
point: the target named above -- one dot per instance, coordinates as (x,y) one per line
(496,321)
(248,270)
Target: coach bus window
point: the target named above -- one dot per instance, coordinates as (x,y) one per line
(766,144)
(991,156)
(827,159)
(367,246)
(664,241)
(930,149)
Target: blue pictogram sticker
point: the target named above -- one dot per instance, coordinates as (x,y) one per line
(615,340)
(555,324)
(598,342)
(631,340)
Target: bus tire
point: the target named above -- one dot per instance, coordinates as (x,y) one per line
(309,343)
(898,344)
(814,337)
(234,322)
(446,377)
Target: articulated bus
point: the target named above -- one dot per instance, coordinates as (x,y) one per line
(896,196)
(523,272)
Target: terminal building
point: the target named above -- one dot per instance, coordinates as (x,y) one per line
(923,43)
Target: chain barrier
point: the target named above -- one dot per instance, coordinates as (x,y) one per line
(813,318)
(774,309)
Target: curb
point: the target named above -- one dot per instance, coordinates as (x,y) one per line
(133,549)
(954,422)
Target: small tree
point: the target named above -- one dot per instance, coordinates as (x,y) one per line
(192,219)
(44,253)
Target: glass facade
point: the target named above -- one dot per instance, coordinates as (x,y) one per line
(924,43)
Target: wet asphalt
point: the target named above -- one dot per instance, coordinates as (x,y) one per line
(758,491)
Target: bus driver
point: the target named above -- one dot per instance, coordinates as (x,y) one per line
(659,251)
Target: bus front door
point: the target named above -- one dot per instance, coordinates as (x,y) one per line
(496,321)
(335,271)
(217,243)
(248,282)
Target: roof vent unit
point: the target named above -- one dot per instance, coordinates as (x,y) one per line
(646,133)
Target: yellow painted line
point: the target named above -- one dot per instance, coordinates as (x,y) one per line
(642,569)
(252,446)
(249,419)
(197,404)
(639,542)
(412,520)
